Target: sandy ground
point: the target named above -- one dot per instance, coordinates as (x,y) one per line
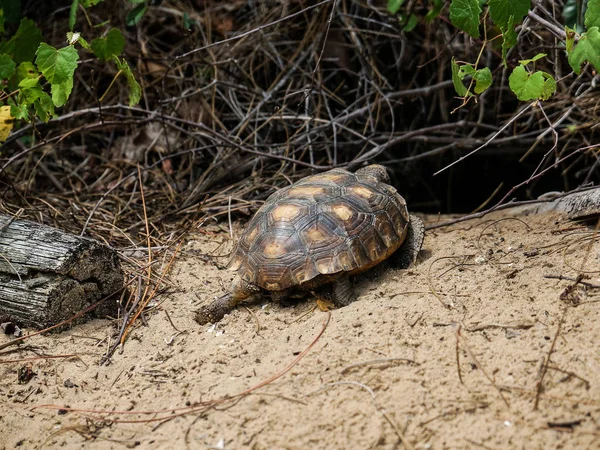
(451,354)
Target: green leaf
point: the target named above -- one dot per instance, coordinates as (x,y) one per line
(464,14)
(111,45)
(73,14)
(135,91)
(27,70)
(535,58)
(526,86)
(501,10)
(88,3)
(61,92)
(481,77)
(7,66)
(44,108)
(393,6)
(531,86)
(23,44)
(483,80)
(56,65)
(459,87)
(2,20)
(549,87)
(592,15)
(509,37)
(135,15)
(20,111)
(434,11)
(410,23)
(29,90)
(587,49)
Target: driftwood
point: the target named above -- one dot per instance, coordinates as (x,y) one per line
(47,275)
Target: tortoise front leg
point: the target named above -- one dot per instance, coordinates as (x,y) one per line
(342,292)
(216,310)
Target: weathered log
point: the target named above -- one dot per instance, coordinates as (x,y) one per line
(576,205)
(47,275)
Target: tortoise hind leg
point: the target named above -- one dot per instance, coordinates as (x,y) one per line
(408,252)
(342,293)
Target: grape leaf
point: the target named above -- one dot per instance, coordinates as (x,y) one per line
(73,14)
(534,59)
(109,46)
(502,10)
(7,66)
(587,49)
(20,111)
(459,87)
(464,14)
(592,15)
(434,11)
(483,80)
(61,92)
(410,23)
(526,86)
(509,37)
(135,15)
(6,122)
(23,44)
(393,6)
(135,91)
(531,86)
(26,70)
(56,65)
(29,90)
(44,107)
(549,87)
(27,39)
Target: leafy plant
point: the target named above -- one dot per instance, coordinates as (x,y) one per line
(527,85)
(37,78)
(481,77)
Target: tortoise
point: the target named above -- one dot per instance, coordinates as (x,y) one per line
(320,231)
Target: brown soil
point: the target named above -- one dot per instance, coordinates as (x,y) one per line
(387,368)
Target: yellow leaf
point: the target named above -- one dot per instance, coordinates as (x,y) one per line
(6,122)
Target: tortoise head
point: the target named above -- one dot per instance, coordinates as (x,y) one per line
(241,289)
(375,171)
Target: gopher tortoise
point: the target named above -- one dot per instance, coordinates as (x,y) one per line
(320,231)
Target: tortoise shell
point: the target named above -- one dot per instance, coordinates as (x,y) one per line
(331,223)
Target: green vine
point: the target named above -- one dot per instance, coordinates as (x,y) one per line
(37,78)
(471,16)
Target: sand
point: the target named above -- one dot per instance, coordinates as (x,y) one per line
(474,347)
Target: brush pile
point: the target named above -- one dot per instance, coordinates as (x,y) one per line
(243,97)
